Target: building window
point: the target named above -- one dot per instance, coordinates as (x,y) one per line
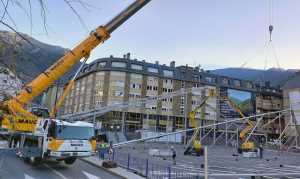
(182,100)
(118,64)
(196,78)
(237,83)
(168,73)
(136,67)
(101,64)
(182,110)
(84,70)
(249,85)
(196,85)
(210,79)
(136,86)
(225,81)
(168,81)
(152,70)
(183,84)
(194,102)
(119,93)
(116,87)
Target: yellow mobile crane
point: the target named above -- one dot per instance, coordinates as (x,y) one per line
(35,135)
(246,146)
(194,144)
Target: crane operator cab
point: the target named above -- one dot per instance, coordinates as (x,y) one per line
(68,141)
(40,112)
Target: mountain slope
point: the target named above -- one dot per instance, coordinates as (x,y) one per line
(25,59)
(276,77)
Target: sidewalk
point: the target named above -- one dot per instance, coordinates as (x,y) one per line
(116,171)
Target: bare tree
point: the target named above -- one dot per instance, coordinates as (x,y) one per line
(26,7)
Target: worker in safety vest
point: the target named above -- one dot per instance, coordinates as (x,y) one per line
(102,149)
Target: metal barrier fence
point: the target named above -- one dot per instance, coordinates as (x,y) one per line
(151,169)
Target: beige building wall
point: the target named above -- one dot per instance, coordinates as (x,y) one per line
(198,95)
(211,114)
(99,89)
(116,87)
(135,90)
(167,104)
(151,90)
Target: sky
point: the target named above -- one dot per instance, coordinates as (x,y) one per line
(210,33)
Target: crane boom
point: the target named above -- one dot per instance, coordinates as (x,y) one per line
(15,106)
(64,64)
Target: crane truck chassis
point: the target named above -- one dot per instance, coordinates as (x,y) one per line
(55,139)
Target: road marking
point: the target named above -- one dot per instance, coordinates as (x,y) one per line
(28,176)
(90,176)
(55,171)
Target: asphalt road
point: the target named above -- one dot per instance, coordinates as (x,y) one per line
(221,162)
(12,167)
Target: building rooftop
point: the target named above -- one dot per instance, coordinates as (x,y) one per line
(184,73)
(294,82)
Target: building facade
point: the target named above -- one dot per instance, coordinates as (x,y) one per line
(108,81)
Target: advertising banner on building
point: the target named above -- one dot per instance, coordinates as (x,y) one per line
(241,99)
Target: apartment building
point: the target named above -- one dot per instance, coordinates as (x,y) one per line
(114,80)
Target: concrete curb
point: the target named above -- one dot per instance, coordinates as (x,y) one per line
(106,169)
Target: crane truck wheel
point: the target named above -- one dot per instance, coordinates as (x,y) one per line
(35,160)
(26,159)
(240,150)
(70,161)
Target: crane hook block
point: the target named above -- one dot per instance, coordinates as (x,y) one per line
(271,30)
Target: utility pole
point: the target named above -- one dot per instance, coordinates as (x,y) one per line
(205,163)
(280,141)
(226,134)
(94,106)
(185,117)
(202,115)
(123,121)
(237,138)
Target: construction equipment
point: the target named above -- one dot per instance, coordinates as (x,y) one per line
(33,133)
(247,145)
(194,145)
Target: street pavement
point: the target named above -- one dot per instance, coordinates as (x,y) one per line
(12,167)
(221,162)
